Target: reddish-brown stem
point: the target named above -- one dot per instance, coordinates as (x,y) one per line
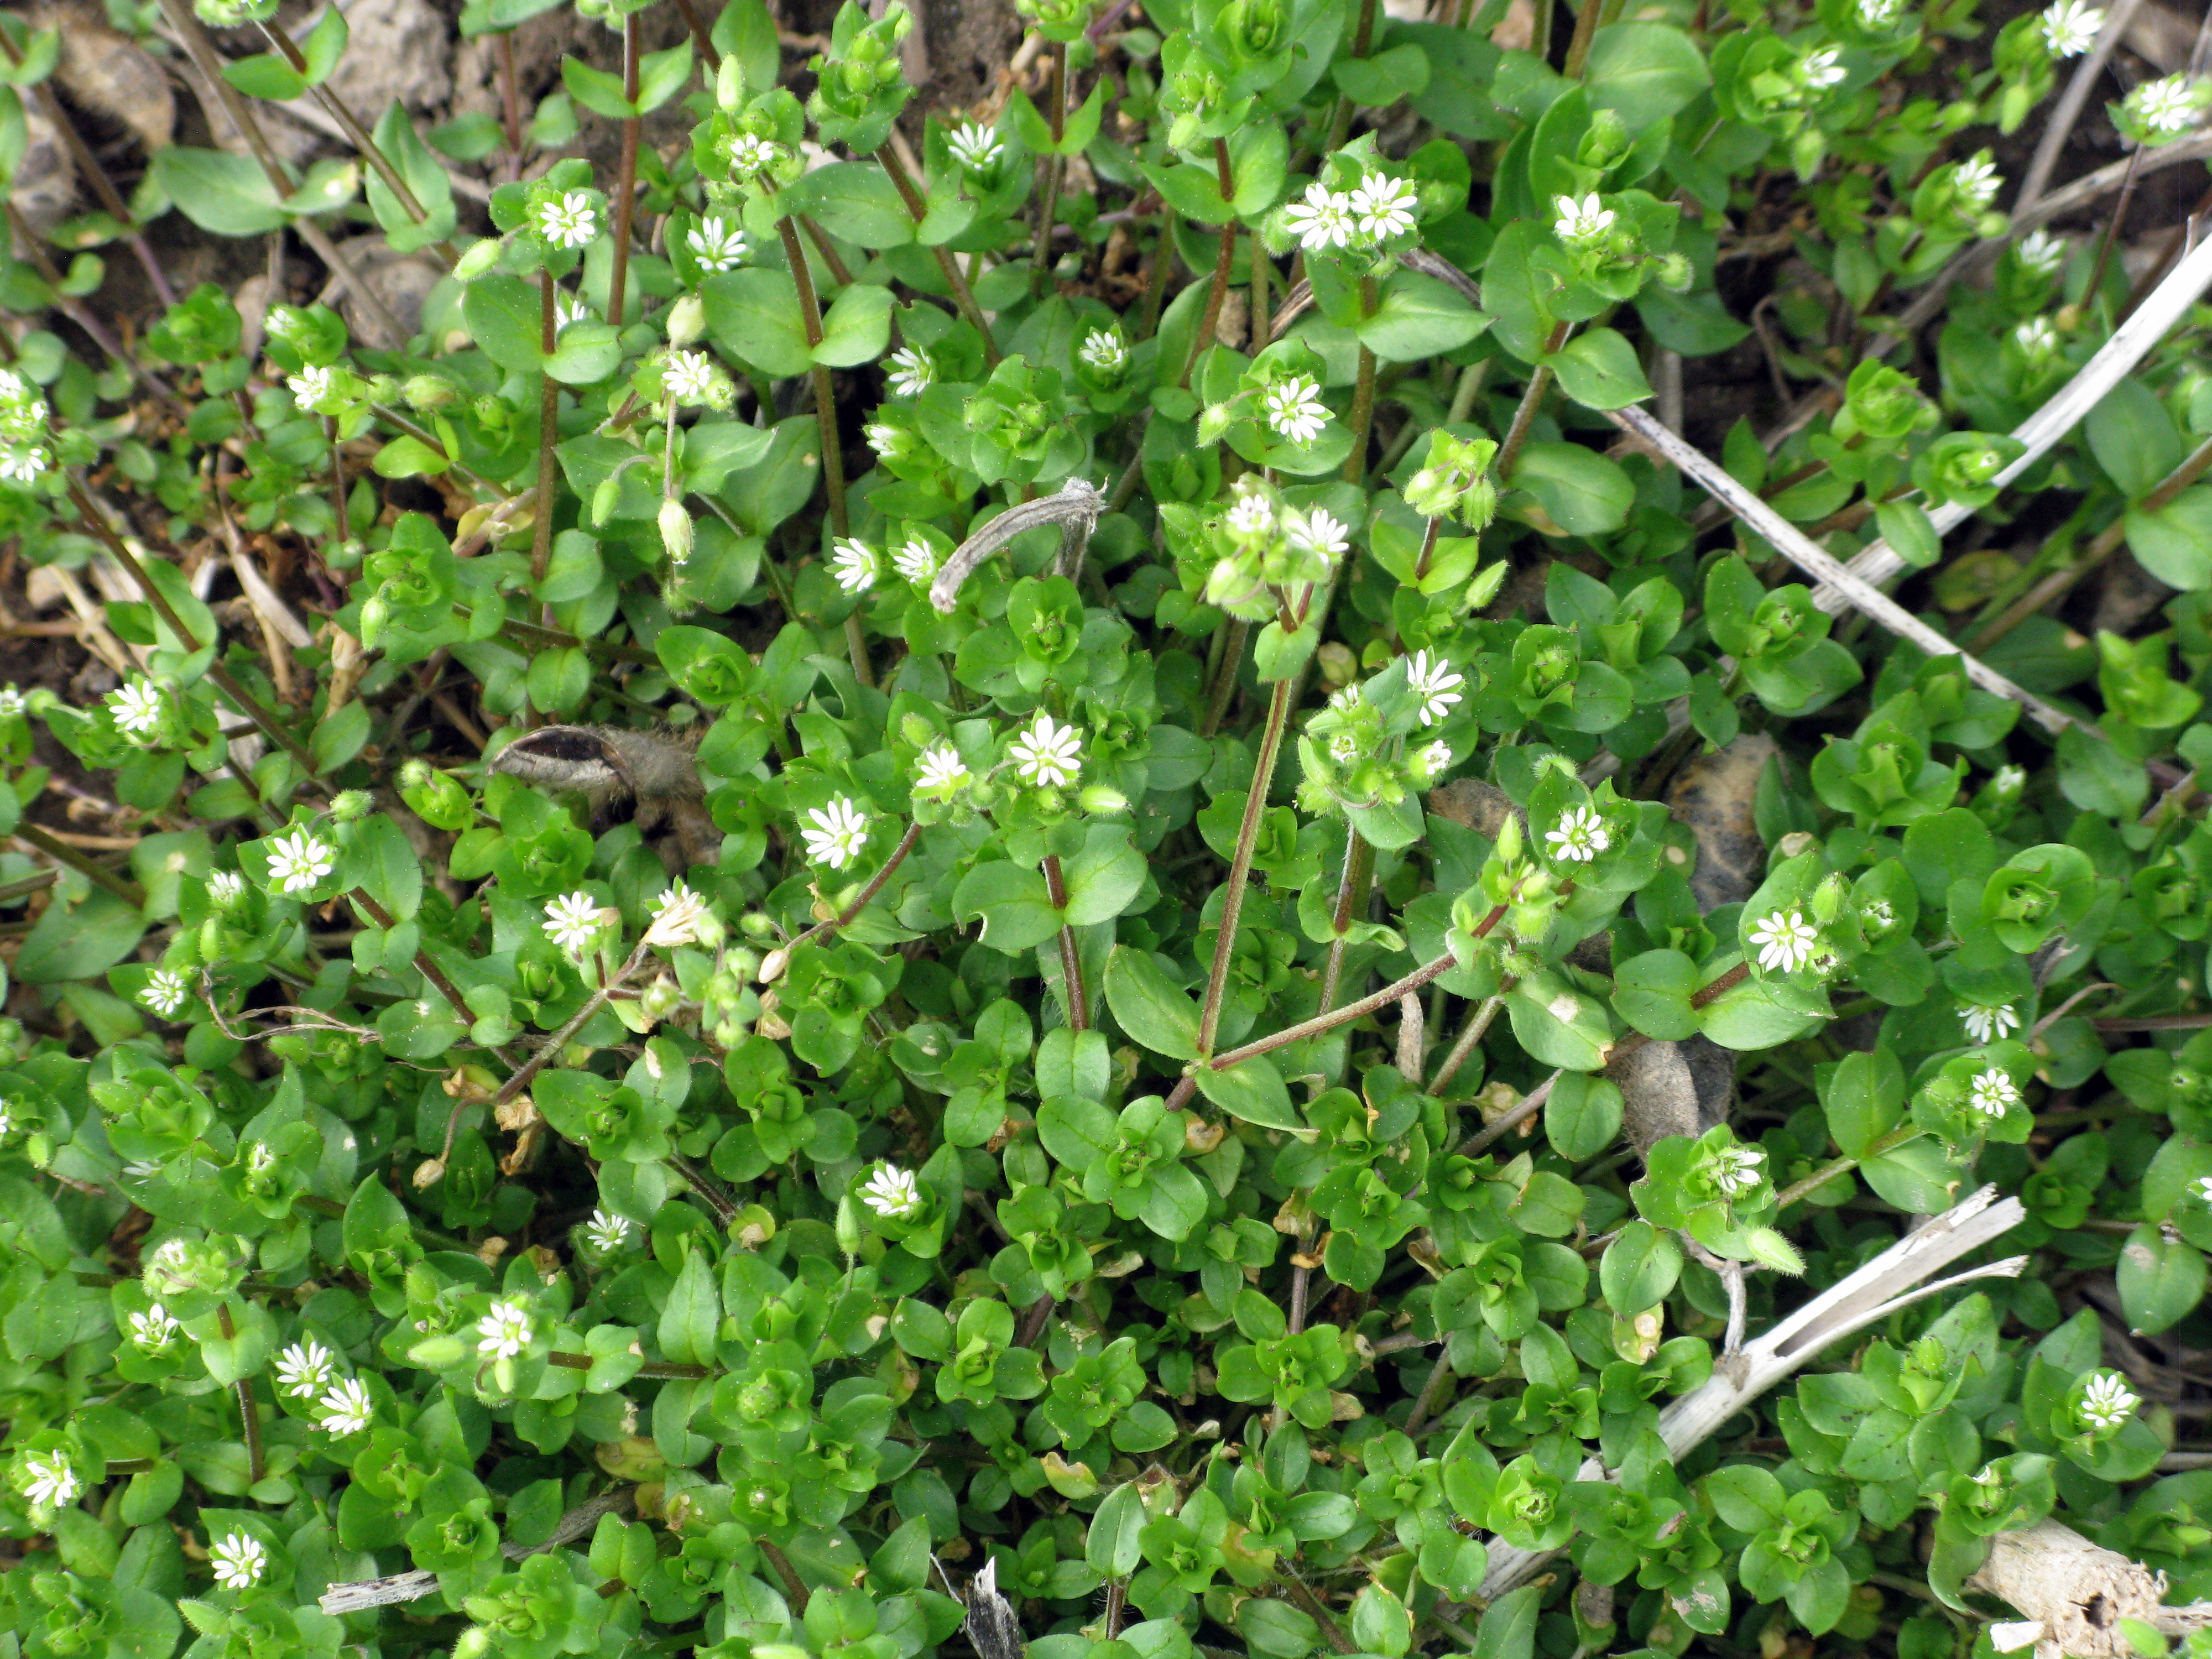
(1071,963)
(701,36)
(625,176)
(1240,868)
(916,209)
(1223,261)
(249,1415)
(1524,416)
(1055,167)
(1350,899)
(549,432)
(844,918)
(510,96)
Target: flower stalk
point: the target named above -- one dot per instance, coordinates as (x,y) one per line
(625,175)
(1224,263)
(1240,865)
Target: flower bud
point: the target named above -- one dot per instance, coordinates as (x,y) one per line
(660,999)
(477,261)
(429,393)
(675,531)
(181,1267)
(349,804)
(687,321)
(1096,798)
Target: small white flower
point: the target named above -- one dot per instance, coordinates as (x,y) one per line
(569,223)
(2040,251)
(7,1120)
(1252,518)
(2202,1186)
(886,440)
(1879,14)
(239,1561)
(1319,532)
(1991,1091)
(1433,682)
(48,1480)
(677,916)
(137,707)
(691,377)
(1321,221)
(1103,351)
(1048,756)
(2036,337)
(347,1407)
(1820,69)
(297,861)
(941,767)
(1786,941)
(568,308)
(22,463)
(1384,207)
(976,148)
(1344,749)
(607,1232)
(225,887)
(11,702)
(911,370)
(916,561)
(748,153)
(852,563)
(1977,182)
(2107,1402)
(716,244)
(310,386)
(839,832)
(893,1193)
(1986,1023)
(1579,836)
(1295,409)
(154,1329)
(2071,28)
(573,922)
(505,1331)
(1878,918)
(1583,222)
(164,992)
(1735,1168)
(259,1160)
(2162,109)
(1434,759)
(304,1369)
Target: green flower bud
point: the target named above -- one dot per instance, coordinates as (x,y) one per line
(1098,799)
(1453,481)
(182,1267)
(349,804)
(687,321)
(439,800)
(429,393)
(477,261)
(675,531)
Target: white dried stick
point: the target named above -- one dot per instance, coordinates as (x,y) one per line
(1815,560)
(1874,1292)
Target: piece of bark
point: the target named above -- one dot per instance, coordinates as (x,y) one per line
(2076,1591)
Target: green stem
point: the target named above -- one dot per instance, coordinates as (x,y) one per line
(1224,675)
(1585,31)
(1055,165)
(1828,1172)
(1363,37)
(1351,900)
(548,433)
(63,853)
(249,1415)
(1155,278)
(1240,865)
(1524,416)
(625,176)
(1071,963)
(1477,1025)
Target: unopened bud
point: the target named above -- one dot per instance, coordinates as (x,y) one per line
(349,804)
(687,321)
(477,260)
(429,393)
(429,1172)
(1100,800)
(675,531)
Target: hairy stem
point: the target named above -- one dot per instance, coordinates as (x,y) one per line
(1827,1172)
(825,415)
(1240,866)
(1071,963)
(844,918)
(1222,264)
(625,176)
(1351,900)
(61,852)
(1156,277)
(1478,1025)
(1224,676)
(1362,394)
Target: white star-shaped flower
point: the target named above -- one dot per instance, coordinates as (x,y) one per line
(1432,683)
(1344,749)
(1583,222)
(916,561)
(505,1331)
(839,831)
(238,1560)
(2040,251)
(164,992)
(347,1407)
(1786,941)
(21,463)
(1432,760)
(1879,14)
(1579,836)
(1821,70)
(297,861)
(304,1369)
(2203,1186)
(607,1232)
(893,1193)
(716,244)
(2071,28)
(310,386)
(748,153)
(677,916)
(910,371)
(1321,221)
(852,563)
(137,709)
(1048,756)
(569,223)
(1251,517)
(1991,1091)
(886,440)
(2162,109)
(1319,532)
(573,921)
(2036,337)
(691,377)
(1295,409)
(1977,182)
(11,702)
(1736,1169)
(2107,1402)
(974,146)
(1986,1023)
(154,1329)
(225,887)
(568,308)
(940,768)
(1382,207)
(48,1480)
(1102,349)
